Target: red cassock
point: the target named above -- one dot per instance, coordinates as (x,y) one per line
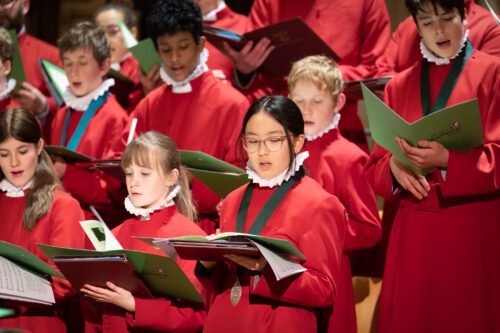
(218,62)
(403,50)
(358,32)
(314,222)
(92,188)
(129,98)
(59,227)
(337,164)
(441,272)
(32,49)
(8,103)
(207,119)
(158,315)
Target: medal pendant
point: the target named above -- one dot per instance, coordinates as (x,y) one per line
(236,292)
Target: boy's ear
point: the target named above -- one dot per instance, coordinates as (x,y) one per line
(7,67)
(26,7)
(201,44)
(340,102)
(134,31)
(105,66)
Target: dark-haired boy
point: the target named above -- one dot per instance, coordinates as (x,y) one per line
(198,111)
(441,270)
(91,119)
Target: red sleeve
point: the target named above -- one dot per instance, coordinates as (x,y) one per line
(260,15)
(386,63)
(322,243)
(376,33)
(166,315)
(87,186)
(364,228)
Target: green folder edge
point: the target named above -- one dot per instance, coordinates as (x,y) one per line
(51,68)
(146,54)
(380,107)
(24,258)
(17,72)
(128,37)
(282,245)
(6,312)
(199,160)
(66,153)
(139,261)
(220,182)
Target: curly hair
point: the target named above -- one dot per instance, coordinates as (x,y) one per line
(173,16)
(88,36)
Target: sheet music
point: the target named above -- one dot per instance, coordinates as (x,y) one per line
(281,265)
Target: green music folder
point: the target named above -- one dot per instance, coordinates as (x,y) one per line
(56,80)
(6,312)
(17,72)
(457,127)
(26,259)
(146,54)
(220,176)
(162,275)
(128,37)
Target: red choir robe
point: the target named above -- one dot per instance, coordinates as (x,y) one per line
(403,50)
(357,31)
(32,49)
(218,62)
(153,314)
(9,103)
(129,99)
(441,272)
(337,165)
(313,221)
(207,119)
(59,227)
(93,188)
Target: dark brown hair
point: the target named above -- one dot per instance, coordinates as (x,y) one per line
(6,48)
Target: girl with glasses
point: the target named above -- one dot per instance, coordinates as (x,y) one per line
(296,208)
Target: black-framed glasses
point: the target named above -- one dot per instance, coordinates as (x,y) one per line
(273,143)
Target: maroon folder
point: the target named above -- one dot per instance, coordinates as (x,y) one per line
(209,250)
(293,40)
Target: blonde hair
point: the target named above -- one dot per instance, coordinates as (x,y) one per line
(154,150)
(22,125)
(320,70)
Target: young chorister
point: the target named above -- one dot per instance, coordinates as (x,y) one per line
(160,200)
(195,109)
(441,271)
(35,209)
(280,201)
(108,18)
(315,85)
(7,84)
(91,119)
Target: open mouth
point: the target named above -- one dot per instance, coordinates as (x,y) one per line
(17,173)
(443,44)
(264,166)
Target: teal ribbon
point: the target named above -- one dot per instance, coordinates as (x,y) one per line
(448,85)
(82,124)
(268,209)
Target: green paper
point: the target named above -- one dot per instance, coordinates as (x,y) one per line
(6,312)
(26,259)
(146,54)
(17,72)
(58,80)
(274,244)
(220,176)
(457,127)
(171,282)
(128,37)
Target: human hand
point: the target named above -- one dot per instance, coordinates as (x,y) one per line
(151,80)
(250,263)
(114,295)
(249,58)
(60,166)
(407,179)
(32,99)
(428,154)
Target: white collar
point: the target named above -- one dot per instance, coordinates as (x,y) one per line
(431,57)
(13,191)
(9,86)
(183,87)
(118,65)
(82,103)
(332,125)
(145,213)
(278,180)
(212,15)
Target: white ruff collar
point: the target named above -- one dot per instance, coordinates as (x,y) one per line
(13,191)
(212,16)
(431,57)
(9,86)
(145,212)
(184,86)
(332,125)
(278,180)
(82,103)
